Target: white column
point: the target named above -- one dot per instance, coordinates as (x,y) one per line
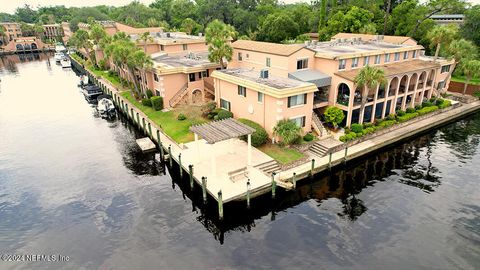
(214,161)
(197,144)
(249,158)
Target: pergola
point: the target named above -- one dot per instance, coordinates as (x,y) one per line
(222,130)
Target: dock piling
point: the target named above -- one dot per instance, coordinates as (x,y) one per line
(190,171)
(345,157)
(150,130)
(220,205)
(274,185)
(180,165)
(160,144)
(170,161)
(313,167)
(330,160)
(248,193)
(204,189)
(294,180)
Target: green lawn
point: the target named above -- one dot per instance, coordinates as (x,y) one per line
(462,80)
(281,154)
(177,130)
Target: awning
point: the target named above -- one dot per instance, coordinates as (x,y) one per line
(221,130)
(312,76)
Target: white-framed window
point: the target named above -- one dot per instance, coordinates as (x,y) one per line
(242,91)
(366,60)
(355,62)
(297,100)
(387,57)
(302,63)
(397,56)
(185,47)
(441,85)
(300,121)
(342,63)
(155,77)
(205,73)
(225,104)
(260,97)
(405,55)
(240,56)
(414,55)
(268,61)
(377,59)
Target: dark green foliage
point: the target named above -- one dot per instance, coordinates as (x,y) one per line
(476,94)
(387,123)
(308,137)
(147,102)
(181,117)
(391,117)
(224,114)
(357,128)
(418,107)
(410,110)
(259,137)
(149,93)
(157,103)
(426,110)
(406,117)
(427,104)
(400,113)
(208,108)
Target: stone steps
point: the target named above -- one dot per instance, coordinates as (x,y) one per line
(318,149)
(268,167)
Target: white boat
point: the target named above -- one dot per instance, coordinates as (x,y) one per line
(65,62)
(60,48)
(58,56)
(105,107)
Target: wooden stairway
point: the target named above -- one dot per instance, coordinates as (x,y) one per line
(178,96)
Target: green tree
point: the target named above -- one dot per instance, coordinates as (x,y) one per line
(333,115)
(438,7)
(353,21)
(368,78)
(82,40)
(190,26)
(287,130)
(97,33)
(323,15)
(38,30)
(460,49)
(269,31)
(26,14)
(218,36)
(471,69)
(441,35)
(145,38)
(471,25)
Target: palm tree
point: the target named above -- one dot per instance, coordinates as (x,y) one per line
(144,38)
(287,130)
(461,49)
(97,33)
(471,69)
(218,36)
(140,61)
(38,30)
(82,40)
(368,78)
(441,35)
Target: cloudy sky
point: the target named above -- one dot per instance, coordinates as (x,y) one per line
(10,5)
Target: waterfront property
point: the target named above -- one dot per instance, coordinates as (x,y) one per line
(12,31)
(332,66)
(53,31)
(24,45)
(112,27)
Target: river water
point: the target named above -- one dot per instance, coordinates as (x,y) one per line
(75,185)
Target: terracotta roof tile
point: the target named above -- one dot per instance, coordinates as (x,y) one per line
(267,47)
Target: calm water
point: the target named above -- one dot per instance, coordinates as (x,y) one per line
(74,184)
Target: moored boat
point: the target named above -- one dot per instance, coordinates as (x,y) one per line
(91,92)
(105,106)
(65,62)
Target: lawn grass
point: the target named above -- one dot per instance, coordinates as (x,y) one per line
(462,80)
(176,129)
(281,154)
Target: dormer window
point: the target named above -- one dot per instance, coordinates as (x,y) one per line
(302,63)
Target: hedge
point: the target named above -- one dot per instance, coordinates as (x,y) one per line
(157,103)
(357,128)
(147,102)
(259,137)
(224,114)
(308,137)
(426,110)
(149,93)
(407,117)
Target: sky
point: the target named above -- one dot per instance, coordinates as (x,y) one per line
(9,6)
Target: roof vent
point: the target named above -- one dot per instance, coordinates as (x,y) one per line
(264,73)
(168,35)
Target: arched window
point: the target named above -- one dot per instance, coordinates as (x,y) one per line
(343,94)
(421,80)
(19,47)
(34,46)
(403,85)
(413,82)
(393,87)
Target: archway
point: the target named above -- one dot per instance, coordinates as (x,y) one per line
(393,87)
(27,47)
(19,47)
(403,85)
(197,96)
(421,80)
(343,94)
(430,78)
(413,82)
(34,46)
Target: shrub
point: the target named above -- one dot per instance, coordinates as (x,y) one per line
(357,128)
(476,94)
(149,93)
(102,64)
(208,108)
(410,110)
(367,125)
(445,104)
(370,130)
(259,137)
(147,102)
(407,117)
(426,110)
(400,113)
(333,115)
(287,130)
(347,130)
(387,123)
(427,104)
(157,103)
(418,107)
(308,137)
(391,117)
(359,134)
(224,114)
(181,117)
(348,137)
(432,100)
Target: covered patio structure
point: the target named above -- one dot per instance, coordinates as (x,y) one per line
(225,161)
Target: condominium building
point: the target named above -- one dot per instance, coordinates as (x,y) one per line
(12,30)
(52,31)
(330,68)
(112,27)
(67,32)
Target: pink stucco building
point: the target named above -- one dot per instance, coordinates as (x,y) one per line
(326,71)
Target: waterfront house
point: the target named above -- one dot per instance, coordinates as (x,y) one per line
(331,66)
(12,30)
(112,27)
(52,31)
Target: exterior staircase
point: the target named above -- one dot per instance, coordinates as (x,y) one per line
(268,167)
(318,126)
(178,96)
(208,87)
(318,149)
